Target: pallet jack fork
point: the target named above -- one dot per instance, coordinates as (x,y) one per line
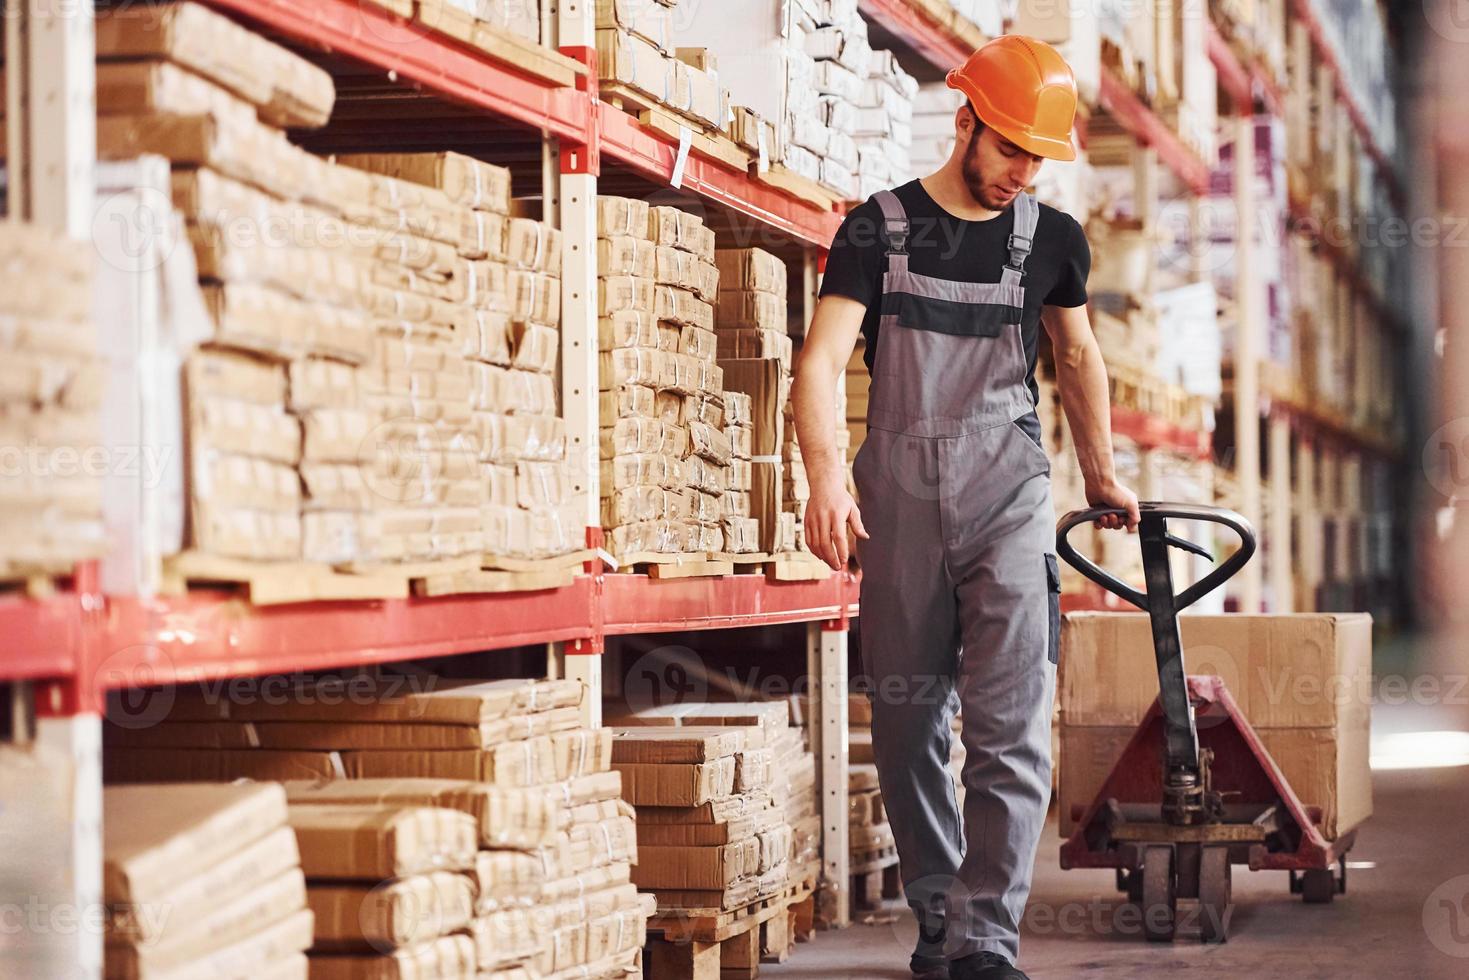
(1194,791)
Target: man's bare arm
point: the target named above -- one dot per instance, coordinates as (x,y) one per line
(823,365)
(1081,377)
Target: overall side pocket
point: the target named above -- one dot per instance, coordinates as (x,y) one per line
(1053,599)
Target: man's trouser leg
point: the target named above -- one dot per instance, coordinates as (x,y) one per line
(910,639)
(1007,602)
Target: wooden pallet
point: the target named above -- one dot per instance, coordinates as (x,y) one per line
(712,944)
(36,582)
(572,559)
(750,563)
(874,877)
(268,583)
(667,566)
(797,566)
(668,121)
(487,580)
(801,188)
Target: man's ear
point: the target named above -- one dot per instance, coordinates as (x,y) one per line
(964,120)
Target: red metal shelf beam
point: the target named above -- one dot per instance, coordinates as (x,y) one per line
(1145,126)
(1242,82)
(1152,432)
(624,141)
(39,638)
(207,636)
(636,604)
(934,41)
(376,37)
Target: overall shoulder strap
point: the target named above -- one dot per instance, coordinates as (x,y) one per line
(895,225)
(1027,212)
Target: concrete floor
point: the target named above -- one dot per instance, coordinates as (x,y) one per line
(1409,870)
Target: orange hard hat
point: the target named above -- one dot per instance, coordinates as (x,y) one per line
(1024,90)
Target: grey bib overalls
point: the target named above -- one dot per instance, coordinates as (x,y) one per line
(960,593)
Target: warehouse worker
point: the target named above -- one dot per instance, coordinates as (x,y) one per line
(948,279)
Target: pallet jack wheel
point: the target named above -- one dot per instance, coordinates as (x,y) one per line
(1318,885)
(1130,883)
(1160,897)
(1216,894)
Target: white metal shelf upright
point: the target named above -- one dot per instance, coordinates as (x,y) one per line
(51,131)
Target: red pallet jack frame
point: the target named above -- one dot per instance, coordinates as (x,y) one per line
(1262,823)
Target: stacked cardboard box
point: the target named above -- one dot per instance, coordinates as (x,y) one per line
(884,126)
(202,880)
(388,884)
(713,806)
(548,871)
(50,389)
(373,326)
(934,107)
(1302,681)
(666,458)
(741,527)
(755,353)
(801,66)
(507,330)
(464,18)
(637,59)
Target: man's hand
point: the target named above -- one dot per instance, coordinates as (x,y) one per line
(1114,494)
(828,513)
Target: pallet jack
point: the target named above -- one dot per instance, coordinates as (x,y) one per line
(1194,791)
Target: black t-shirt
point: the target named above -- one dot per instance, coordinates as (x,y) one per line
(946,247)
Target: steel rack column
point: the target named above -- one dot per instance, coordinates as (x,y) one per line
(1248,320)
(1308,521)
(576,192)
(1278,534)
(826,673)
(50,53)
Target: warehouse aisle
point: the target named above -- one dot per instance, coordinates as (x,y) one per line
(1378,927)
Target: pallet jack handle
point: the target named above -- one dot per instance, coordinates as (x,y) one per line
(1154,515)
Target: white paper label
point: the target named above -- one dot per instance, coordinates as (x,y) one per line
(685,140)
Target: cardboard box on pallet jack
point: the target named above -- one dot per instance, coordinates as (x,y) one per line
(1302,680)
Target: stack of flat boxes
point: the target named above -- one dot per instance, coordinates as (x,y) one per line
(798,66)
(755,352)
(741,528)
(519,17)
(202,880)
(49,395)
(824,124)
(550,879)
(636,52)
(506,328)
(711,833)
(934,106)
(345,305)
(184,82)
(884,128)
(666,459)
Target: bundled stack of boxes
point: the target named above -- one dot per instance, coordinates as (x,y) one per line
(713,827)
(505,311)
(202,880)
(639,63)
(541,881)
(464,18)
(667,460)
(755,353)
(51,499)
(884,126)
(376,383)
(803,69)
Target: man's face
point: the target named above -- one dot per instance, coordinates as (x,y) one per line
(995,170)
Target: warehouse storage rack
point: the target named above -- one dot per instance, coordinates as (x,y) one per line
(62,653)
